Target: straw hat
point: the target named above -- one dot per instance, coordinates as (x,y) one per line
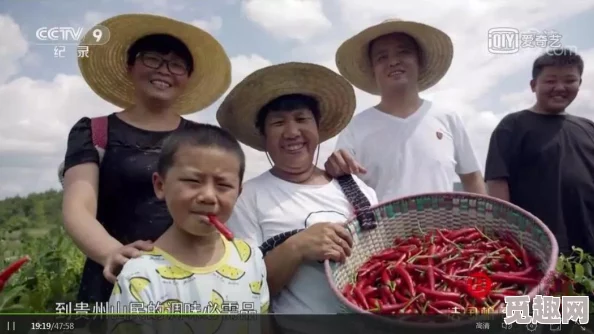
(352,57)
(105,69)
(336,98)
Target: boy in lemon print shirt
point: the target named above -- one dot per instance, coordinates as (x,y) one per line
(193,268)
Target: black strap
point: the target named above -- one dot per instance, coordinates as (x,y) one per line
(357,199)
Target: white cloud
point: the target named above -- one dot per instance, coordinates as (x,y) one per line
(33,131)
(211,25)
(294,19)
(13,46)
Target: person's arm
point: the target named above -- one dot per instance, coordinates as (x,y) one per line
(473,183)
(344,158)
(467,164)
(281,264)
(79,207)
(499,158)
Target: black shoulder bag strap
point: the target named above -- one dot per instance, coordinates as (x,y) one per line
(354,195)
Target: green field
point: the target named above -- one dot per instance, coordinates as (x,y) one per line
(33,226)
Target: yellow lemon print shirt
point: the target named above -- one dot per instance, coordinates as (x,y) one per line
(158,283)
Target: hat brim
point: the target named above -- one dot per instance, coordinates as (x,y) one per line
(335,95)
(352,57)
(105,68)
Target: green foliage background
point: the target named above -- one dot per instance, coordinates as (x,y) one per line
(33,226)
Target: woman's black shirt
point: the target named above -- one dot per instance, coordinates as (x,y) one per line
(127,206)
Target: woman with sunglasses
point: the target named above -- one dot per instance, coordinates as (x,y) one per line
(155,69)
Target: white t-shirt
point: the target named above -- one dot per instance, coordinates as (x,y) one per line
(269,206)
(158,283)
(408,156)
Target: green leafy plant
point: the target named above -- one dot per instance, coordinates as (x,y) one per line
(574,275)
(52,275)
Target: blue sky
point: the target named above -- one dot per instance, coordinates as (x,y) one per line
(43,96)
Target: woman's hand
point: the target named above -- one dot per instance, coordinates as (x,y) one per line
(115,260)
(324,241)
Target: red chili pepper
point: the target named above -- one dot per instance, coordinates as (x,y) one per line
(360,298)
(454,234)
(430,271)
(453,296)
(524,272)
(12,269)
(221,227)
(448,304)
(407,279)
(385,277)
(504,277)
(369,269)
(386,293)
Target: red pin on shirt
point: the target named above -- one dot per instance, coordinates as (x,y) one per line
(479,285)
(220,227)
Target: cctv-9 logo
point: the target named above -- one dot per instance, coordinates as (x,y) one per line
(98,35)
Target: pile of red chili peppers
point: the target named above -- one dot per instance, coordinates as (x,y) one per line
(429,274)
(11,270)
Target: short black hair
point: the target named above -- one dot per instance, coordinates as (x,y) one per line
(163,44)
(199,135)
(557,58)
(288,102)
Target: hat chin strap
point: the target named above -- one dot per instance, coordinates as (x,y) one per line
(317,157)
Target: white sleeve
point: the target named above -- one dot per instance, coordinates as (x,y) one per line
(346,142)
(244,221)
(466,159)
(132,293)
(134,287)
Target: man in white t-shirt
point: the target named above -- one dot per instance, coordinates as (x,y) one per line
(405,145)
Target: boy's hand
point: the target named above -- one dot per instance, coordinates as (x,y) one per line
(116,260)
(323,241)
(341,163)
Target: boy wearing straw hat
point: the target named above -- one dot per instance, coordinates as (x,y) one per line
(405,145)
(155,69)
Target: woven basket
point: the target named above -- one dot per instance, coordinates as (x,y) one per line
(411,215)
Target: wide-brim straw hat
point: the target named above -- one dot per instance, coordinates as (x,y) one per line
(105,68)
(437,51)
(335,96)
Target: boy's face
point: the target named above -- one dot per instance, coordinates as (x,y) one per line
(556,87)
(201,181)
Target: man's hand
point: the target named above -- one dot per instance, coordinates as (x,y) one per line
(323,241)
(341,163)
(116,260)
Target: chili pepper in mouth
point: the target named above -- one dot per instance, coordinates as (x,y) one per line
(12,269)
(220,227)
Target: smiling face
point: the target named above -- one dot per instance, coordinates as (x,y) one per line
(556,87)
(556,80)
(289,125)
(395,61)
(159,77)
(159,67)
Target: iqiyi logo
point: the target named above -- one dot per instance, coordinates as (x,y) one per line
(504,40)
